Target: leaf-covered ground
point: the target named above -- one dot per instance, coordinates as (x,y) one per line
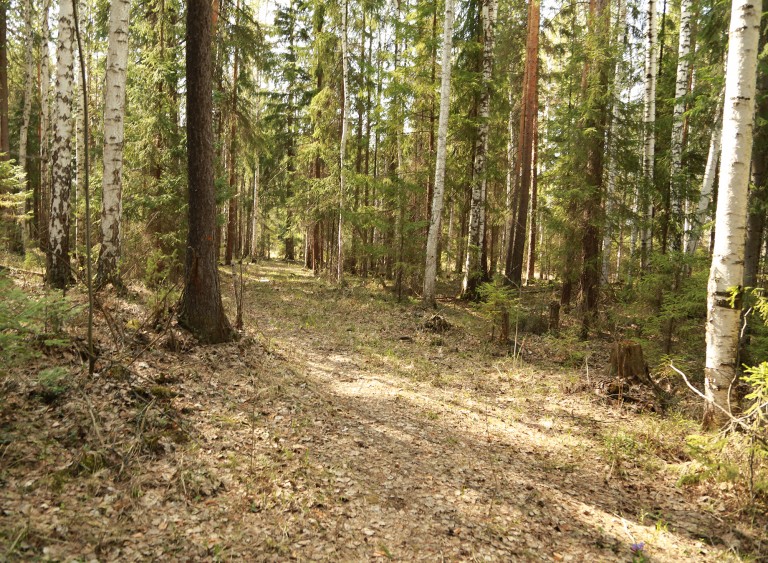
(344,427)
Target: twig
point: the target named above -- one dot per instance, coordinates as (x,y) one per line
(93,418)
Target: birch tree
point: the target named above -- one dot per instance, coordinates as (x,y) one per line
(58,272)
(676,146)
(29,81)
(724,289)
(472,267)
(649,133)
(433,236)
(114,117)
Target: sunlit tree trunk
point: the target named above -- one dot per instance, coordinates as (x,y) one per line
(114,134)
(644,198)
(676,185)
(433,237)
(726,275)
(58,272)
(202,311)
(472,268)
(232,164)
(29,82)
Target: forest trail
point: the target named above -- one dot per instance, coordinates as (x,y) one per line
(341,429)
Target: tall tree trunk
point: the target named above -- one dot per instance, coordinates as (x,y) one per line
(645,188)
(114,134)
(473,273)
(232,162)
(29,82)
(5,145)
(676,180)
(597,84)
(530,269)
(58,272)
(727,269)
(45,81)
(202,311)
(524,164)
(343,142)
(433,237)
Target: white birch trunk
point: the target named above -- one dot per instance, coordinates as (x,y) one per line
(114,127)
(676,146)
(344,135)
(726,275)
(433,237)
(472,271)
(649,136)
(45,80)
(29,80)
(58,267)
(610,194)
(693,226)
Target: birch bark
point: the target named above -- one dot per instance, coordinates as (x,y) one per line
(433,236)
(676,146)
(29,78)
(114,126)
(726,275)
(58,272)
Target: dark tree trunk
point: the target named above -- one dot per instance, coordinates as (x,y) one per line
(202,311)
(4,138)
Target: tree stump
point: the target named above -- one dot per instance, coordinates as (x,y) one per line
(554,316)
(628,362)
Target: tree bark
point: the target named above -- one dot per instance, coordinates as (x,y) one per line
(58,273)
(524,163)
(473,273)
(726,275)
(433,236)
(676,181)
(202,311)
(114,135)
(343,142)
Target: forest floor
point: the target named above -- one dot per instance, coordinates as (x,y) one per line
(341,427)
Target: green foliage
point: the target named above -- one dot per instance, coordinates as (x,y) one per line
(53,382)
(25,318)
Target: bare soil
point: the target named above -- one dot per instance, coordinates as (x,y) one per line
(343,426)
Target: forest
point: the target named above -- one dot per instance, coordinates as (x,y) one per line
(355,280)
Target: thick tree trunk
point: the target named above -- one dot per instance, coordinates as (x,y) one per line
(644,198)
(114,134)
(433,237)
(58,272)
(676,182)
(202,311)
(43,197)
(473,273)
(726,275)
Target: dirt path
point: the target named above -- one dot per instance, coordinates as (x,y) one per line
(341,429)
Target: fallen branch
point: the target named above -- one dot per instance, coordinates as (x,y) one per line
(737,421)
